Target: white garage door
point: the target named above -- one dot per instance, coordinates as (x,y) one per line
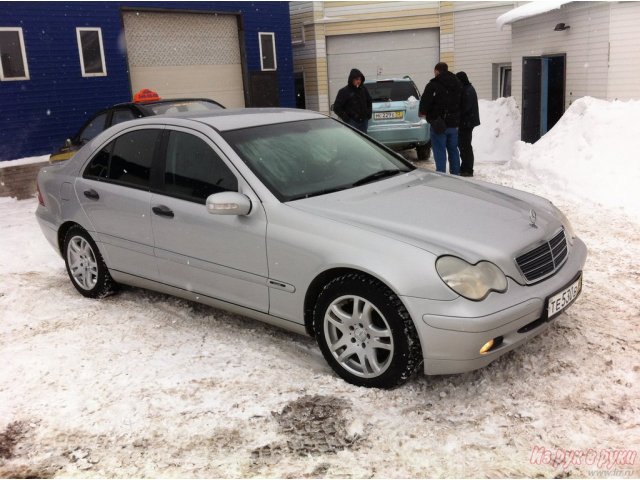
(183,55)
(383,55)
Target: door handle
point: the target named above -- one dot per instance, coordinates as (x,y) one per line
(163,211)
(92,194)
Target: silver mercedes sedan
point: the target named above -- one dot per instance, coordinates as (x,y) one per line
(295,219)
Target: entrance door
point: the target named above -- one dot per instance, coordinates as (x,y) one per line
(543,85)
(531,93)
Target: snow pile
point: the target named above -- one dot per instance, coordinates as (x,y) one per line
(24,161)
(499,129)
(589,154)
(527,10)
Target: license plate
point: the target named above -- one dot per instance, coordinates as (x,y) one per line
(563,298)
(388,115)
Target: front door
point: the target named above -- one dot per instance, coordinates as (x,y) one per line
(220,256)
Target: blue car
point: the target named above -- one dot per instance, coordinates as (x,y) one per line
(395,121)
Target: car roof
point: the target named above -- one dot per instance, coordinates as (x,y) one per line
(234,119)
(404,79)
(159,102)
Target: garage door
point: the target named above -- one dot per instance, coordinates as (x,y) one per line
(185,55)
(383,55)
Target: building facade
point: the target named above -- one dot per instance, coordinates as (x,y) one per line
(63,61)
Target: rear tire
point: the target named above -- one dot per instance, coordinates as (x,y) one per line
(424,151)
(85,265)
(365,333)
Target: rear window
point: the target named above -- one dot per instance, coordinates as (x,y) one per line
(390,91)
(186,106)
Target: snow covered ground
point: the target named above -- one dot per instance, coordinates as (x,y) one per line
(145,385)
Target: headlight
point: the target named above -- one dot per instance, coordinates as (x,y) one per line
(471,281)
(570,234)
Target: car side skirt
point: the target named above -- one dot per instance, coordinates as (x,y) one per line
(134,281)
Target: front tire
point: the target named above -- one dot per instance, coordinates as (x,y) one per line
(85,265)
(365,333)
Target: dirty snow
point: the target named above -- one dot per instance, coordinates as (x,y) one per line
(145,385)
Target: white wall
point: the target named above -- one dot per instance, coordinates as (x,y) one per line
(624,61)
(479,44)
(586,45)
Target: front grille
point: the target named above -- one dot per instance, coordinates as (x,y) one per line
(544,260)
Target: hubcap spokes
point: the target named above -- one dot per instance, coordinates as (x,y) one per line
(358,336)
(82,263)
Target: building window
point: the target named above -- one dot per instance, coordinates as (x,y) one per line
(267,51)
(13,64)
(501,80)
(505,81)
(91,52)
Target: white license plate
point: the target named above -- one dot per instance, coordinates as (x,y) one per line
(563,299)
(388,115)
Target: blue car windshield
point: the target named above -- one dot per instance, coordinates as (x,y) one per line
(313,157)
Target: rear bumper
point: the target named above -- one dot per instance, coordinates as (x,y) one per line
(400,133)
(451,339)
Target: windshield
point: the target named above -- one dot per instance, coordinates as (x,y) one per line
(184,106)
(391,91)
(312,157)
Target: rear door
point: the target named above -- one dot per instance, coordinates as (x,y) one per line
(114,192)
(220,256)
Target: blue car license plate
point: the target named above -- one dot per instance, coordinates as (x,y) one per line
(388,115)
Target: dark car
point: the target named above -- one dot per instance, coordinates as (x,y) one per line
(146,103)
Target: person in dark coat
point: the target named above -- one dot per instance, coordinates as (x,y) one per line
(353,103)
(469,119)
(440,104)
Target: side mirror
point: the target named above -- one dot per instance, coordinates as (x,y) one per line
(67,143)
(228,203)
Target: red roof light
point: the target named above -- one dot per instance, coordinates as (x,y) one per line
(146,95)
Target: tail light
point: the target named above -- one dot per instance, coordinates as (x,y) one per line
(40,197)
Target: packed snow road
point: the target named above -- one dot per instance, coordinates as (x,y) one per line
(145,385)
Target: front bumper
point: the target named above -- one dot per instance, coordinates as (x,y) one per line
(451,335)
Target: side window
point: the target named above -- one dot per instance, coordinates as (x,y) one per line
(122,115)
(267,51)
(132,156)
(126,160)
(94,127)
(99,166)
(91,52)
(13,57)
(193,171)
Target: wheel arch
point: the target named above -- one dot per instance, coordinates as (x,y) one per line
(320,281)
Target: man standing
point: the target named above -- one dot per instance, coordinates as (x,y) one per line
(353,102)
(469,119)
(440,104)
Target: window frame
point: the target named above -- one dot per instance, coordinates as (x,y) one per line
(23,50)
(82,66)
(158,185)
(111,141)
(273,44)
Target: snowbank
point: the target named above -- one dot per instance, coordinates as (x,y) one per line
(499,129)
(589,154)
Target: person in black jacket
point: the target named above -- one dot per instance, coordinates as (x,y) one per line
(353,102)
(469,119)
(440,104)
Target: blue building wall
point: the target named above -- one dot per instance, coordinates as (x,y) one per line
(38,114)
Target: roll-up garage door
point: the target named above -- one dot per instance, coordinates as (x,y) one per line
(183,55)
(383,55)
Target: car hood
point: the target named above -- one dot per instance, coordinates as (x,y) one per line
(444,214)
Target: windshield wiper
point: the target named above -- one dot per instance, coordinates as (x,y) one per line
(376,176)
